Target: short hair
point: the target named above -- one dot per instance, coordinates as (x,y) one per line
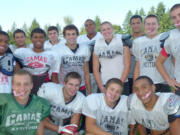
(114,80)
(146,78)
(5,34)
(135,17)
(53,28)
(22,72)
(151,16)
(175,7)
(106,22)
(73,75)
(70,27)
(18,31)
(38,30)
(89,20)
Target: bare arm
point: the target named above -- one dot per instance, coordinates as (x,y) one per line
(87,77)
(92,128)
(127,63)
(97,73)
(135,128)
(174,127)
(75,119)
(136,70)
(40,130)
(160,67)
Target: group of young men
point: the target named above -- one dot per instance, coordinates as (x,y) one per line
(43,85)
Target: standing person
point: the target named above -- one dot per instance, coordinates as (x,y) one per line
(137,31)
(7,64)
(37,61)
(53,35)
(158,112)
(74,58)
(20,40)
(171,47)
(89,39)
(107,113)
(66,104)
(114,58)
(146,49)
(22,113)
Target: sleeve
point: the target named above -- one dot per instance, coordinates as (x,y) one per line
(3,104)
(135,50)
(45,91)
(89,107)
(172,107)
(56,62)
(78,108)
(164,53)
(167,46)
(45,109)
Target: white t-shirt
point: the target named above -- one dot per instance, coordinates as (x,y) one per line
(110,57)
(38,63)
(59,109)
(72,61)
(113,120)
(5,83)
(83,39)
(172,47)
(146,51)
(156,119)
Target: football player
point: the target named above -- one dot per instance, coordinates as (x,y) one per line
(66,104)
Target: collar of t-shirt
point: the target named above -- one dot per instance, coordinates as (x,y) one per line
(74,50)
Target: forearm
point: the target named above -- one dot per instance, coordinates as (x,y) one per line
(136,71)
(50,126)
(88,82)
(127,64)
(95,130)
(75,119)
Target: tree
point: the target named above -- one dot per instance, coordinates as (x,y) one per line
(152,11)
(0,27)
(34,25)
(68,20)
(126,24)
(25,28)
(117,29)
(59,28)
(82,30)
(98,23)
(142,13)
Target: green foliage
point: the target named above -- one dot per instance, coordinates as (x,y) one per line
(160,11)
(68,20)
(98,23)
(126,24)
(0,27)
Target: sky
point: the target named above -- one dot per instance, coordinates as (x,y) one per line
(53,11)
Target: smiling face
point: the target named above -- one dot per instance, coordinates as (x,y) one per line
(151,26)
(71,37)
(21,85)
(38,40)
(71,87)
(144,90)
(113,93)
(107,31)
(175,16)
(3,44)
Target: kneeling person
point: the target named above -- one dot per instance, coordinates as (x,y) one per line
(20,112)
(66,104)
(158,112)
(107,113)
